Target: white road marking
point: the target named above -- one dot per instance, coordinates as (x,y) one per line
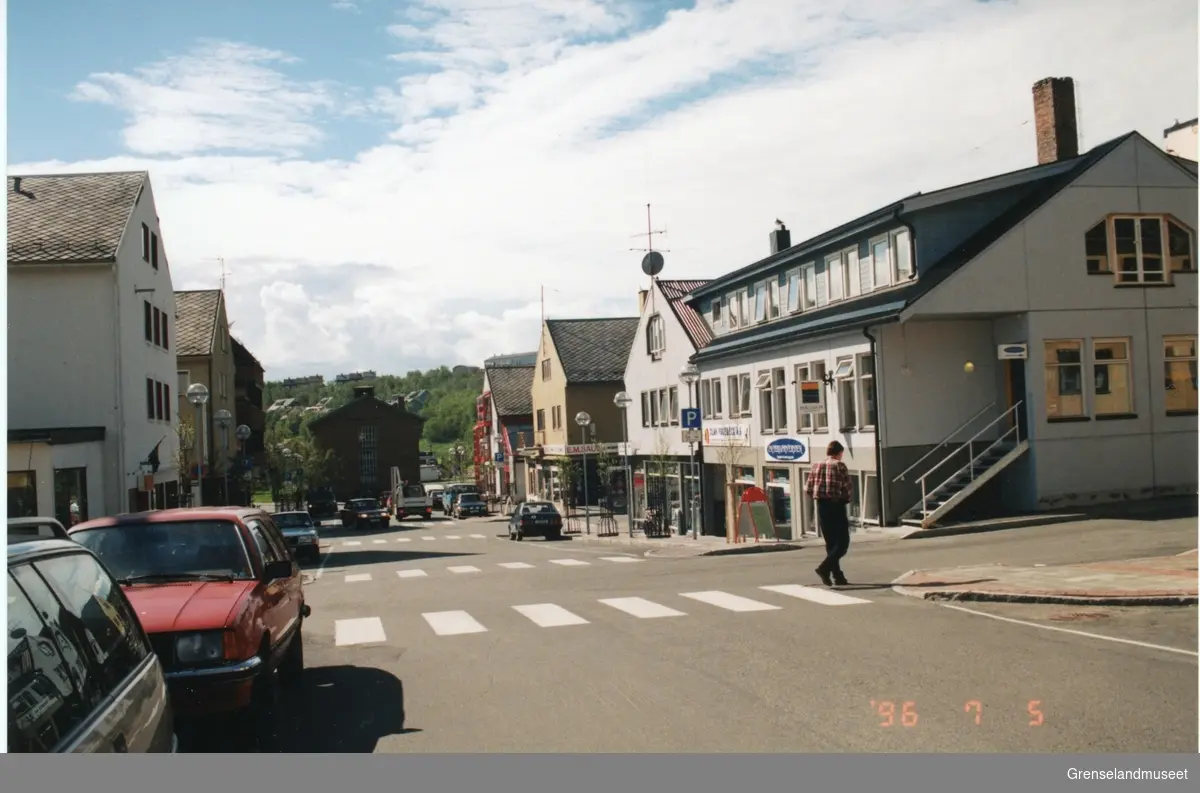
(466,568)
(548,615)
(453,537)
(1085,634)
(429,537)
(352,542)
(356,577)
(641,608)
(411,573)
(321,569)
(729,602)
(815,595)
(378,542)
(516,565)
(404,539)
(621,559)
(452,623)
(477,537)
(569,562)
(364,630)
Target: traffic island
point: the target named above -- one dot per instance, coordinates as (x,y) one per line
(1151,581)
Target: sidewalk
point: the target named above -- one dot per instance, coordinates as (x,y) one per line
(1153,581)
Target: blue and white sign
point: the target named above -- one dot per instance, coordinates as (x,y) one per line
(498,457)
(689,418)
(788,450)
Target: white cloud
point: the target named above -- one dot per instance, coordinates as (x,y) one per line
(346,5)
(504,171)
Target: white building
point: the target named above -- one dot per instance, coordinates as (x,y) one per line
(91,361)
(1018,343)
(1179,139)
(669,332)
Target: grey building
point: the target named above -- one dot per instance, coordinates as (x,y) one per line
(1017,343)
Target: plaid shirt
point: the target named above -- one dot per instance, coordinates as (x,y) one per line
(829,480)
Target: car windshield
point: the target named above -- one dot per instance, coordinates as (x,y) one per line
(293,520)
(541,508)
(469,498)
(175,550)
(363,503)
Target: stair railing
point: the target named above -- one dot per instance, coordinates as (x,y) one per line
(972,458)
(945,441)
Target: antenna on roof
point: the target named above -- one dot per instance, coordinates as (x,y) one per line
(221,259)
(652,262)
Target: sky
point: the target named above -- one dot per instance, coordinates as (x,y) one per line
(396,185)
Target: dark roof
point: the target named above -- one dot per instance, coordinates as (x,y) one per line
(593,350)
(676,293)
(512,389)
(196,315)
(394,410)
(1185,163)
(1178,125)
(78,217)
(242,355)
(887,305)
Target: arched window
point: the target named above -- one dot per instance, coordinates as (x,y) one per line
(1140,249)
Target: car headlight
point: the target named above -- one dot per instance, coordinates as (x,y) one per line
(362,515)
(200,648)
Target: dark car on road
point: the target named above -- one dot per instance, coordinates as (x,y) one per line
(322,504)
(82,673)
(222,600)
(364,513)
(470,505)
(301,533)
(535,519)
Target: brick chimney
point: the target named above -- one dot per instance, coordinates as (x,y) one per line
(642,295)
(1054,118)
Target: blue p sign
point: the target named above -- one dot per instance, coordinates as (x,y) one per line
(689,419)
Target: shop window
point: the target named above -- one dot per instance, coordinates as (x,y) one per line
(70,495)
(22,494)
(779,492)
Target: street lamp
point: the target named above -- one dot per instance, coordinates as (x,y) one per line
(197,394)
(583,420)
(689,375)
(243,433)
(622,400)
(222,418)
(459,451)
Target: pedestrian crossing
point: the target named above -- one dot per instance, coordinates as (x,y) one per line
(775,598)
(423,537)
(470,569)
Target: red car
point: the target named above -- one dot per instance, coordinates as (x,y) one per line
(219,593)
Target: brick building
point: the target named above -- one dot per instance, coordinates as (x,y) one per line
(369,436)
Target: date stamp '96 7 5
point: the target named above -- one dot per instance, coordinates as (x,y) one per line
(905,714)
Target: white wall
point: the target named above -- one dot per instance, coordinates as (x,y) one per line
(1182,142)
(140,359)
(642,373)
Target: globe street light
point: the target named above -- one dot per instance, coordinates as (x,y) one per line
(583,420)
(689,375)
(197,394)
(223,418)
(622,400)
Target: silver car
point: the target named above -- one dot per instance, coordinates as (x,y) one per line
(301,533)
(82,676)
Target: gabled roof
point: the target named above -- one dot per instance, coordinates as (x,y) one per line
(887,305)
(394,411)
(75,218)
(512,389)
(676,293)
(196,314)
(242,355)
(593,350)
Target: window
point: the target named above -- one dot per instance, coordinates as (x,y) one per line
(166,402)
(744,303)
(116,645)
(276,539)
(836,276)
(656,341)
(265,549)
(1111,376)
(881,262)
(664,407)
(706,398)
(166,345)
(655,409)
(866,392)
(766,418)
(222,381)
(847,399)
(541,420)
(1139,249)
(148,320)
(773,298)
(367,464)
(902,256)
(779,394)
(1179,354)
(716,398)
(46,699)
(734,311)
(158,400)
(853,273)
(150,414)
(646,409)
(808,274)
(22,494)
(739,395)
(810,422)
(793,291)
(1064,379)
(673,398)
(157,327)
(154,250)
(760,302)
(145,243)
(717,318)
(545,368)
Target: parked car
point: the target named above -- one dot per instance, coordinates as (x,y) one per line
(222,600)
(363,513)
(410,501)
(82,674)
(301,533)
(452,492)
(434,495)
(470,505)
(25,529)
(322,504)
(535,519)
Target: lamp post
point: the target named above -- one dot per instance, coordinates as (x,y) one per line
(622,400)
(243,433)
(689,375)
(197,394)
(222,418)
(459,451)
(583,420)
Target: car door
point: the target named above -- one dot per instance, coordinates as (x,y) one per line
(272,594)
(135,715)
(295,592)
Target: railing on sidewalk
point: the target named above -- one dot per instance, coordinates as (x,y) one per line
(606,524)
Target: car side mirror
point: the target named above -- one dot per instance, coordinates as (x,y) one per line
(277,570)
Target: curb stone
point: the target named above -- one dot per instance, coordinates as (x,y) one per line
(1066,600)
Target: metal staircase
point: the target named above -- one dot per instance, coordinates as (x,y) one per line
(966,467)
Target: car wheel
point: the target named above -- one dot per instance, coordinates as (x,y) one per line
(291,670)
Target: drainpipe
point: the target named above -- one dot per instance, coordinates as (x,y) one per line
(878,426)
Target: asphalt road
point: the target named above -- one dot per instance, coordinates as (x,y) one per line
(468,642)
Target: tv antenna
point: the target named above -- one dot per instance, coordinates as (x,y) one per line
(650,232)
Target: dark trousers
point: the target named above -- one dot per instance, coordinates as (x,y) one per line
(835,527)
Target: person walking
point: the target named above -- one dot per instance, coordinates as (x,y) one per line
(829,485)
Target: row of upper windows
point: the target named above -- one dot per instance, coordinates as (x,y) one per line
(881,263)
(1140,249)
(149,246)
(1108,393)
